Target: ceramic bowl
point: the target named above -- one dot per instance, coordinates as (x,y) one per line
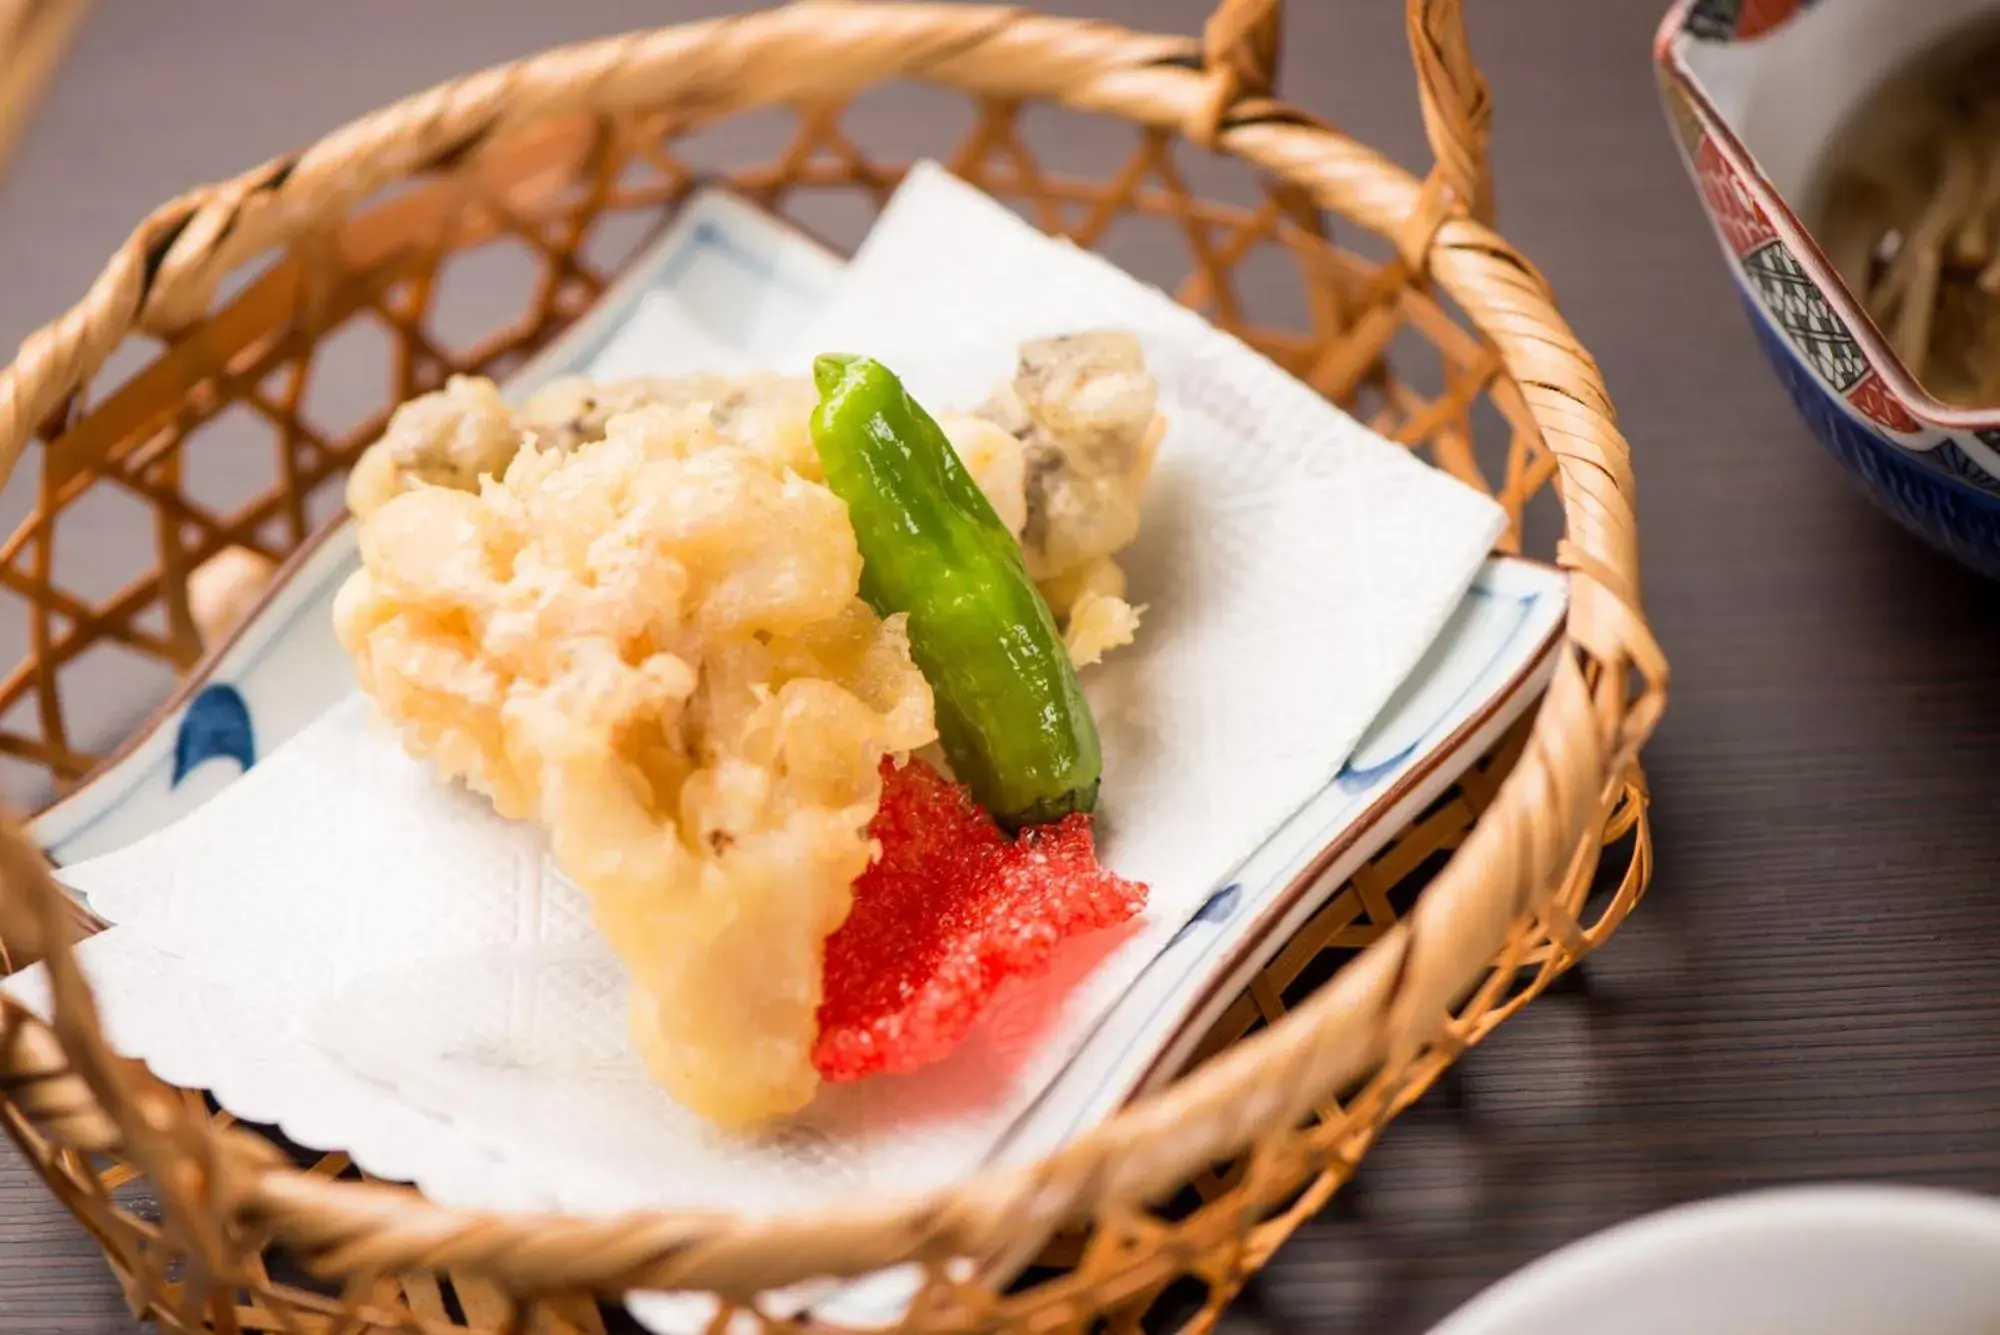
(1830,1260)
(1755,90)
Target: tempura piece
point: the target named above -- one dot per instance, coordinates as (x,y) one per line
(1085,410)
(997,462)
(652,644)
(454,436)
(1099,623)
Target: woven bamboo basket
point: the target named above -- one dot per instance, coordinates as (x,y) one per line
(1162,1213)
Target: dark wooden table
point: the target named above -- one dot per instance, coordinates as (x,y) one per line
(1813,990)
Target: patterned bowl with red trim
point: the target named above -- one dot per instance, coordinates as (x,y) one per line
(1756,91)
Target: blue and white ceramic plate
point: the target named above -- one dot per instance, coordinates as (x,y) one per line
(723,281)
(726,279)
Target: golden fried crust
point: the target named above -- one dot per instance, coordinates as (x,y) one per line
(655,648)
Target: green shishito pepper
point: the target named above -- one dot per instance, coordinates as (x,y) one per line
(1010,713)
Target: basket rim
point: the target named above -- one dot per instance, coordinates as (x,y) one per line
(1604,700)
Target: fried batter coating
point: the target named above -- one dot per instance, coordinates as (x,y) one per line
(655,648)
(997,462)
(454,436)
(1085,410)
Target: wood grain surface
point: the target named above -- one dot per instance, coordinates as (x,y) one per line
(1813,990)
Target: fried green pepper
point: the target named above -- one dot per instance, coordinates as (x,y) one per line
(1010,713)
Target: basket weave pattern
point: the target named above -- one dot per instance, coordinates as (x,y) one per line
(1188,1191)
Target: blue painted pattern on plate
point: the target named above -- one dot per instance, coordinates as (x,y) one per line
(216,726)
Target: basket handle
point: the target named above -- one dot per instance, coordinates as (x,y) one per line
(1240,47)
(1457,106)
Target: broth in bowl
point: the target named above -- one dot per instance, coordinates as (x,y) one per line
(1907,208)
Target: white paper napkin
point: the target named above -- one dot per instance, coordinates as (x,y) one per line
(352,945)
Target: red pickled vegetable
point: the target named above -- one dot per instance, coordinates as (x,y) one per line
(951,910)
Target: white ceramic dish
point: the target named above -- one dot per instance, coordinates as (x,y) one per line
(1834,1260)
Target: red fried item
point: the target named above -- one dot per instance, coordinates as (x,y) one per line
(950,911)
